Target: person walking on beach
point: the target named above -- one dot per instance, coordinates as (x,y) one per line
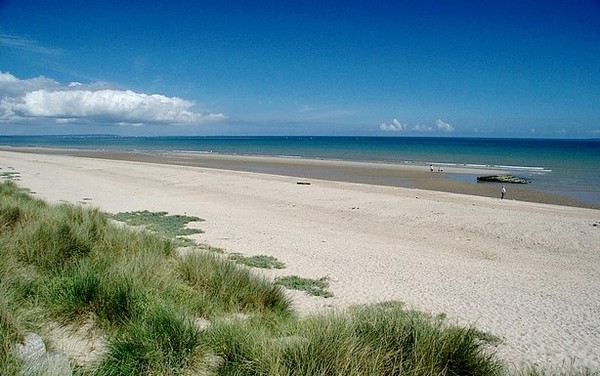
(503,192)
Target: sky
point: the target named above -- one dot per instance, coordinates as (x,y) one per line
(474,68)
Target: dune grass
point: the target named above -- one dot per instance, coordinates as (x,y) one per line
(10,330)
(219,286)
(62,263)
(372,340)
(164,314)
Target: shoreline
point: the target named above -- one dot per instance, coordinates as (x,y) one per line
(453,179)
(525,272)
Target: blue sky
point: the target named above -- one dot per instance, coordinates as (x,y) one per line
(375,68)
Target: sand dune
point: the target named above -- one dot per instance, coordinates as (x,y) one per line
(527,272)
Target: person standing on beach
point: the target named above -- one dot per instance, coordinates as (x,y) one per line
(503,192)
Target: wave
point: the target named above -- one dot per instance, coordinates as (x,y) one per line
(536,169)
(291,156)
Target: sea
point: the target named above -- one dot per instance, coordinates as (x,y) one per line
(562,166)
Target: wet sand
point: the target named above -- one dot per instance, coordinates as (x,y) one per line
(452,180)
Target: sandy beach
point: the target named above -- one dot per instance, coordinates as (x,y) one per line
(528,272)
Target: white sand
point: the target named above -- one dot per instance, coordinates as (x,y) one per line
(529,273)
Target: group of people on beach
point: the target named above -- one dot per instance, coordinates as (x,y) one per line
(439,169)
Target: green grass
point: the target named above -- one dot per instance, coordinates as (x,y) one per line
(69,265)
(220,286)
(314,287)
(372,340)
(161,341)
(259,261)
(170,226)
(10,330)
(64,263)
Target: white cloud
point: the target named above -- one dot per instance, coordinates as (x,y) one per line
(394,126)
(11,85)
(397,126)
(42,99)
(25,44)
(422,128)
(443,126)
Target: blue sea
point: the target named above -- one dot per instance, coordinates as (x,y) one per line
(567,167)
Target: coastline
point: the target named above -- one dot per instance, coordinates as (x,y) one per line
(453,179)
(525,272)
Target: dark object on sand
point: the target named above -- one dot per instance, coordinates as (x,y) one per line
(502,179)
(303,183)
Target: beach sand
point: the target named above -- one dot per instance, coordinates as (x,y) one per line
(527,272)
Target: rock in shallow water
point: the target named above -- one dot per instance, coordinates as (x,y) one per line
(503,179)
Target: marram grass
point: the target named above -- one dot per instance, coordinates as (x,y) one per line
(224,287)
(68,262)
(162,314)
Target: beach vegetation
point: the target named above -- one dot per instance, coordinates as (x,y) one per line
(170,226)
(221,287)
(314,287)
(65,263)
(367,340)
(163,340)
(157,311)
(258,261)
(10,333)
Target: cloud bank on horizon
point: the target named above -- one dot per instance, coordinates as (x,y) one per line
(397,126)
(41,99)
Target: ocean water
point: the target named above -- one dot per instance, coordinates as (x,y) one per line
(568,167)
